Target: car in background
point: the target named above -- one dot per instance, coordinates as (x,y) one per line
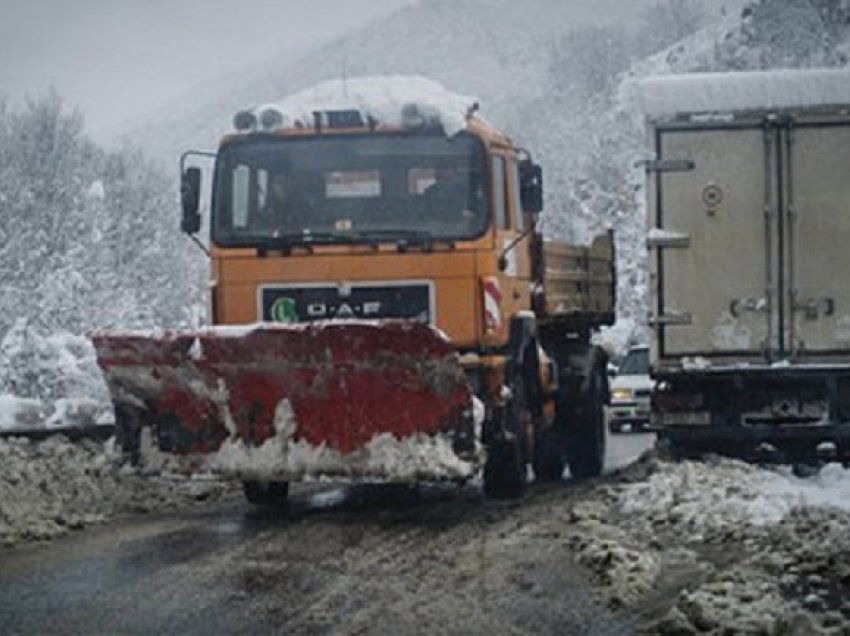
(630,393)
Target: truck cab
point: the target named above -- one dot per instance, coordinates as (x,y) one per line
(382,222)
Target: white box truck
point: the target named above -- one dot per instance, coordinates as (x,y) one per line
(748,203)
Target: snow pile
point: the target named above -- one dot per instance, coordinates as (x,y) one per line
(698,500)
(720,547)
(51,487)
(754,90)
(21,413)
(49,380)
(391,101)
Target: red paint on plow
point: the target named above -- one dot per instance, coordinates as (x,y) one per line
(346,382)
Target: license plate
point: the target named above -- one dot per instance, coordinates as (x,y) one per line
(691,418)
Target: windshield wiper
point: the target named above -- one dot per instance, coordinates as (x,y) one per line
(407,239)
(308,239)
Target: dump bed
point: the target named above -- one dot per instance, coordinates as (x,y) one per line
(749,219)
(580,281)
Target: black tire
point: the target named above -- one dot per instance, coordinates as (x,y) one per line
(274,493)
(128,434)
(505,470)
(549,459)
(586,428)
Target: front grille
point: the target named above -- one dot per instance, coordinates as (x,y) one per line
(308,303)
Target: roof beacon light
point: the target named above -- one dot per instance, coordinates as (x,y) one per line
(245,120)
(411,117)
(420,117)
(271,118)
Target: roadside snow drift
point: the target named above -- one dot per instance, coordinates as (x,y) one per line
(721,546)
(48,488)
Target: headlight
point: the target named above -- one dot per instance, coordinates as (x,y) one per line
(621,395)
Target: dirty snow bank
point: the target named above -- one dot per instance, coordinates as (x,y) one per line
(705,498)
(50,487)
(721,547)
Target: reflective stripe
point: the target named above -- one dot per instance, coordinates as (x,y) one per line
(492,304)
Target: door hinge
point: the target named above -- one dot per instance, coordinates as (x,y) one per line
(658,238)
(666,165)
(671,318)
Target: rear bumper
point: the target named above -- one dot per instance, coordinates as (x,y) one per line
(763,442)
(791,410)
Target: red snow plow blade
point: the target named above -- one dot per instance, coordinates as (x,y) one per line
(372,400)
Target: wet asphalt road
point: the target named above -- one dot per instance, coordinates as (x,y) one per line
(228,568)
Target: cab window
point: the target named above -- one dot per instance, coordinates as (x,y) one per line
(516,201)
(498,191)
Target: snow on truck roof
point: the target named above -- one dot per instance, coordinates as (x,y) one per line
(740,91)
(391,100)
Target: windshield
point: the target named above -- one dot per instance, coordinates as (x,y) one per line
(636,362)
(349,188)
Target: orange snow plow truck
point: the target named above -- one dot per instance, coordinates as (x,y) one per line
(383,308)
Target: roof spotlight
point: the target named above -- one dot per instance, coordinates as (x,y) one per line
(410,115)
(271,118)
(245,120)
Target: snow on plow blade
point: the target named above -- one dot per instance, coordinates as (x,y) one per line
(360,400)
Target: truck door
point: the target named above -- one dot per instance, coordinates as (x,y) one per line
(816,158)
(712,242)
(507,209)
(751,242)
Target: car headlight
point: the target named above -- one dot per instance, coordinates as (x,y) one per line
(621,395)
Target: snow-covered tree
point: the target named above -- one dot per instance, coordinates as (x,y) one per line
(87,238)
(586,60)
(667,22)
(788,34)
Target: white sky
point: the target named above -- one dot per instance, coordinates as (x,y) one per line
(118,58)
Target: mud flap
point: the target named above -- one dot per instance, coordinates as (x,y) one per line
(335,386)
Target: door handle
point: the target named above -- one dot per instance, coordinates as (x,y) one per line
(814,308)
(748,304)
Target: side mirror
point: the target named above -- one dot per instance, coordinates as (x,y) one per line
(531,186)
(190,197)
(612,370)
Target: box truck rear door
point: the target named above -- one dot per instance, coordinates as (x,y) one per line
(714,288)
(816,194)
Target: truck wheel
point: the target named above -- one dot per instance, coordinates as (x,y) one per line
(504,470)
(128,434)
(272,493)
(586,430)
(549,461)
